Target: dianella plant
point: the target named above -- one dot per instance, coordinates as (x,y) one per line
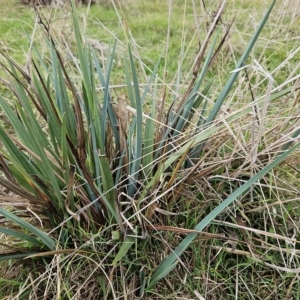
(83,159)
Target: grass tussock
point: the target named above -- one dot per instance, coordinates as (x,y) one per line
(169,177)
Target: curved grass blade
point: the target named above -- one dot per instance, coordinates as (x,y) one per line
(241,62)
(227,88)
(21,236)
(162,274)
(46,240)
(212,215)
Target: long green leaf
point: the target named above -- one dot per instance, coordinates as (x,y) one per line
(187,111)
(135,166)
(106,99)
(111,114)
(212,215)
(163,273)
(16,155)
(108,184)
(227,88)
(19,255)
(47,241)
(150,137)
(240,63)
(126,245)
(21,236)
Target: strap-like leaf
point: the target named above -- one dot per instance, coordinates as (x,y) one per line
(46,240)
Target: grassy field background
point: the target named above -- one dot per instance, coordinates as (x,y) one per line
(263,267)
(148,23)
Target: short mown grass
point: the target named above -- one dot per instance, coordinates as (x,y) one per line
(251,249)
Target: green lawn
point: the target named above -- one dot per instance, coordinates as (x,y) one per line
(148,23)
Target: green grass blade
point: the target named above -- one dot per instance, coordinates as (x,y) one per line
(21,236)
(111,114)
(187,111)
(62,98)
(150,136)
(94,151)
(16,155)
(212,215)
(241,62)
(46,240)
(82,54)
(199,100)
(138,130)
(225,91)
(16,256)
(106,94)
(160,275)
(108,184)
(126,245)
